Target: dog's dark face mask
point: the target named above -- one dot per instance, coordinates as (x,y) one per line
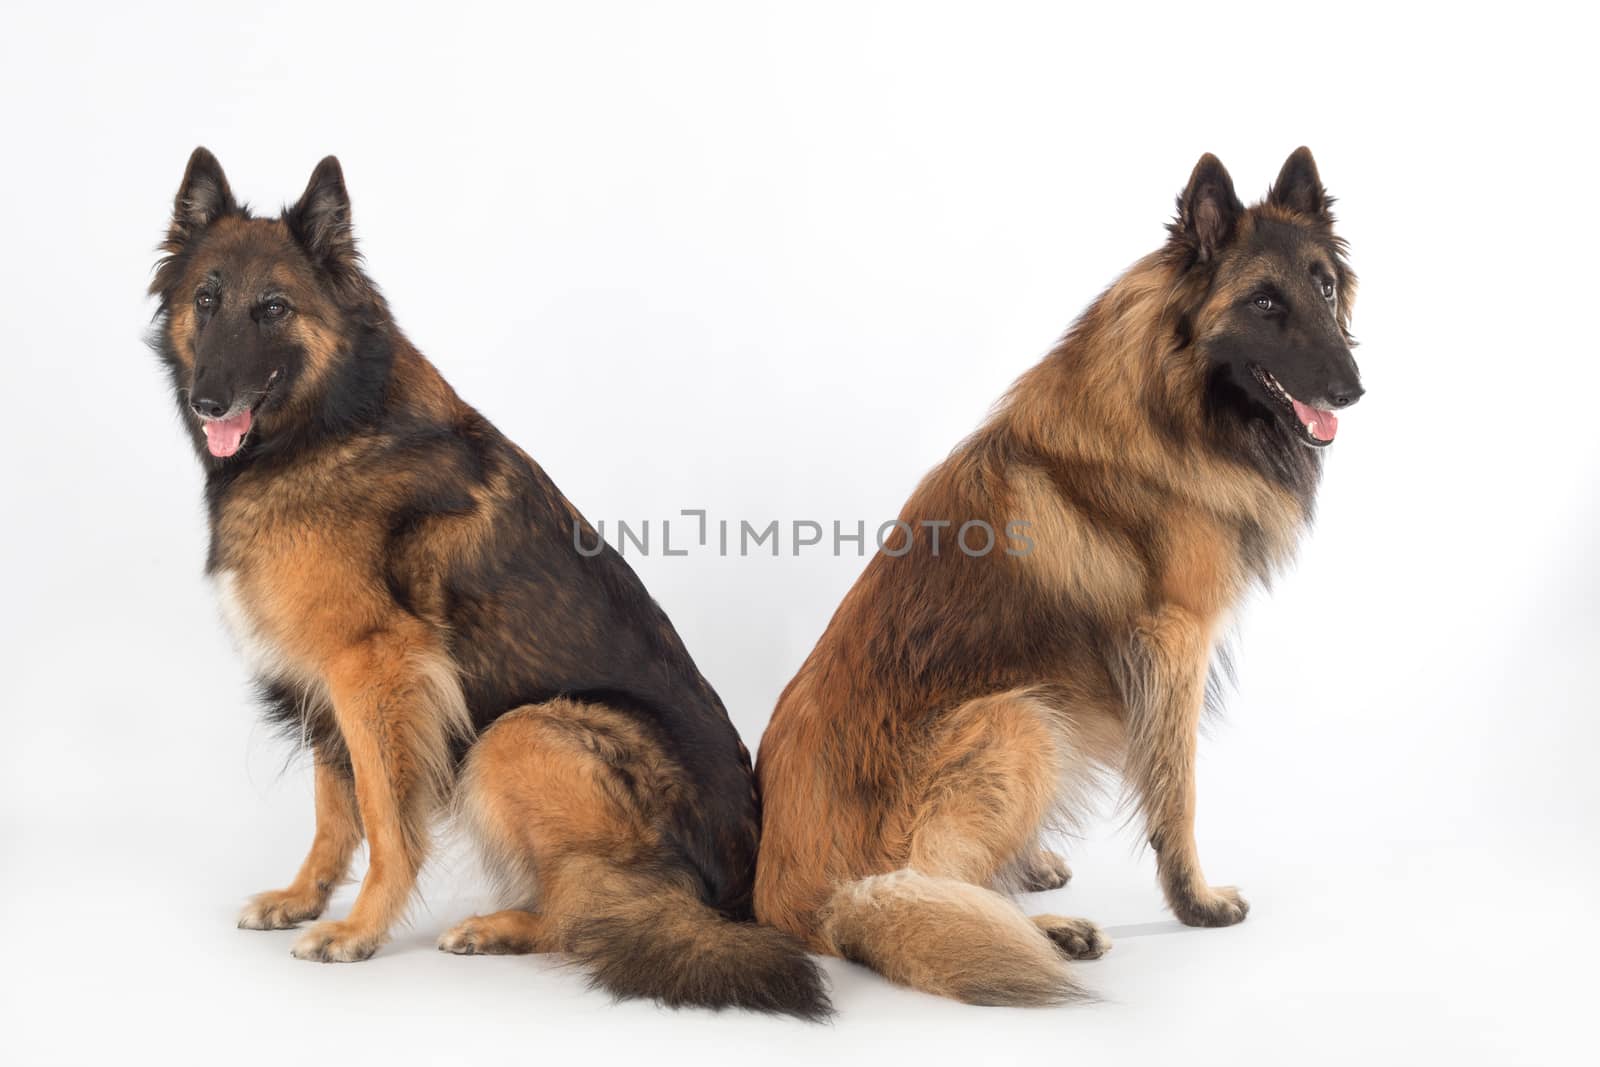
(1274,323)
(247,302)
(242,351)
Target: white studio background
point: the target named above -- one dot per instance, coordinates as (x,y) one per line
(774,261)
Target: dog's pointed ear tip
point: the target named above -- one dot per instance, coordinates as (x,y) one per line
(1300,161)
(326,182)
(203,161)
(1209,169)
(328,167)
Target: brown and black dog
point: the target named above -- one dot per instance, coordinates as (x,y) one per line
(1164,457)
(410,587)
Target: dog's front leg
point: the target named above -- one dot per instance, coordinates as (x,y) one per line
(338,834)
(396,704)
(1163,672)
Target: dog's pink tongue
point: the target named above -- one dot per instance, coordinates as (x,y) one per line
(223,436)
(1322,424)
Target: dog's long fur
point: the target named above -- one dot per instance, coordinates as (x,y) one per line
(956,705)
(408,584)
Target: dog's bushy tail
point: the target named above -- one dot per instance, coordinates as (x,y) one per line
(665,943)
(947,937)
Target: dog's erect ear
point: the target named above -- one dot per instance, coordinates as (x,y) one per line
(320,221)
(203,198)
(1298,187)
(1208,210)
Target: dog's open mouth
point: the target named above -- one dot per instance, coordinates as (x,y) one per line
(225,436)
(1317,427)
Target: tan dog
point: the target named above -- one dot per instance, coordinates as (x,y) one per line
(1164,456)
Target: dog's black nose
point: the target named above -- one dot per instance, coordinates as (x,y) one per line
(208,408)
(1347,395)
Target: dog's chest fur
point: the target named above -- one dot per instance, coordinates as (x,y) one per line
(263,653)
(292,572)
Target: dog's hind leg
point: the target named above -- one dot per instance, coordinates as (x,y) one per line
(553,795)
(338,833)
(511,932)
(1163,678)
(989,778)
(572,804)
(994,778)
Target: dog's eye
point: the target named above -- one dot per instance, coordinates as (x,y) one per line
(1265,303)
(275,309)
(205,301)
(1328,290)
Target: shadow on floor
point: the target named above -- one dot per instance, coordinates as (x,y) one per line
(1166,926)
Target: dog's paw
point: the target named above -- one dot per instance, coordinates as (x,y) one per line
(1215,906)
(466,938)
(280,909)
(503,933)
(335,942)
(1076,939)
(1044,871)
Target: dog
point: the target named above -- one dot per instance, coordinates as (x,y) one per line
(406,583)
(1162,459)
